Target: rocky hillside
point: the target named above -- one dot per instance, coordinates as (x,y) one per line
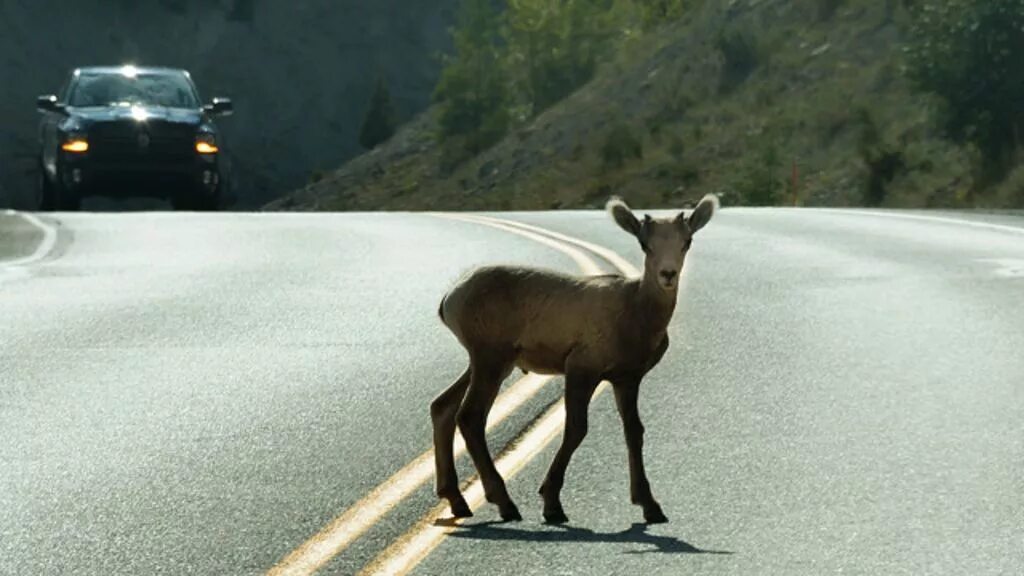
(764,101)
(301,73)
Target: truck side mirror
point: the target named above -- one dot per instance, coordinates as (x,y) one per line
(220,107)
(49,103)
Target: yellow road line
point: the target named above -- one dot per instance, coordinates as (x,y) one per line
(361,516)
(410,549)
(586,263)
(609,255)
(341,532)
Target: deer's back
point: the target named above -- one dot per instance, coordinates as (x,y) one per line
(539,314)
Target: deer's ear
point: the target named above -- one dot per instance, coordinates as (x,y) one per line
(702,214)
(624,217)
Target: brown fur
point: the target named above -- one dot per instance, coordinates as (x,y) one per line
(590,329)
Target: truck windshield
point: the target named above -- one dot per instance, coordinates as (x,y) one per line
(113,88)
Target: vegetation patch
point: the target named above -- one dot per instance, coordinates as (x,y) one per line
(807,102)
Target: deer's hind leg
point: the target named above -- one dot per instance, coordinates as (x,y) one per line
(442,414)
(488,371)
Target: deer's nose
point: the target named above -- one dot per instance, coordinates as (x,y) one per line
(669,275)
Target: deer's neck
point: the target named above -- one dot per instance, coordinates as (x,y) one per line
(656,306)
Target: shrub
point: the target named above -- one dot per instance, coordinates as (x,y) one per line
(656,12)
(739,57)
(676,147)
(883,160)
(883,166)
(968,53)
(620,145)
(828,8)
(760,184)
(1010,193)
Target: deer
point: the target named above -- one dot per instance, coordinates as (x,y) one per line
(589,329)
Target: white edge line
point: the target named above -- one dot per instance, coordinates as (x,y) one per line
(920,217)
(45,246)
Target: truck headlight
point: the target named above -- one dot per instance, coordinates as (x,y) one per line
(75,143)
(206,144)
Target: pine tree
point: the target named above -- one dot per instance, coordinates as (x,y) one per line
(968,53)
(553,47)
(473,93)
(379,123)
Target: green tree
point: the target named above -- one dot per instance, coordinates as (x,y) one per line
(969,53)
(554,47)
(472,93)
(379,123)
(531,46)
(511,66)
(882,158)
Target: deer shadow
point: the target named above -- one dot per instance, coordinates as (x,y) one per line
(635,534)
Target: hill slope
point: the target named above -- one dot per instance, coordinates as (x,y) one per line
(771,101)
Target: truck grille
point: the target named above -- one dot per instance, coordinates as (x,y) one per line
(154,140)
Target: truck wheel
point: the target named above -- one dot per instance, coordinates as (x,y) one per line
(68,201)
(46,193)
(207,202)
(58,197)
(195,201)
(185,202)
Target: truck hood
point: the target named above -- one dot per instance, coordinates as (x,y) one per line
(93,115)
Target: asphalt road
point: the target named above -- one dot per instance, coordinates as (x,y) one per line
(199,394)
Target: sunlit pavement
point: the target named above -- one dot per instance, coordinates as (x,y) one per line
(201,393)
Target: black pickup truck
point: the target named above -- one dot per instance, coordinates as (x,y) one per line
(131,132)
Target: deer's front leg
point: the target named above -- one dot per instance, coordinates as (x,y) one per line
(578,390)
(626,396)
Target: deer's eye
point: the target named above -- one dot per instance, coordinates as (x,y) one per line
(686,246)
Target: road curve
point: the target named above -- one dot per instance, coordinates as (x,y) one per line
(201,393)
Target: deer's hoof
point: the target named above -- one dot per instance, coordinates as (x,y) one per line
(461,510)
(555,516)
(510,513)
(654,515)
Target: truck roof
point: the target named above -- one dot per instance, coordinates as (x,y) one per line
(129,69)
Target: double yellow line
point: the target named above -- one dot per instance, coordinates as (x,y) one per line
(409,550)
